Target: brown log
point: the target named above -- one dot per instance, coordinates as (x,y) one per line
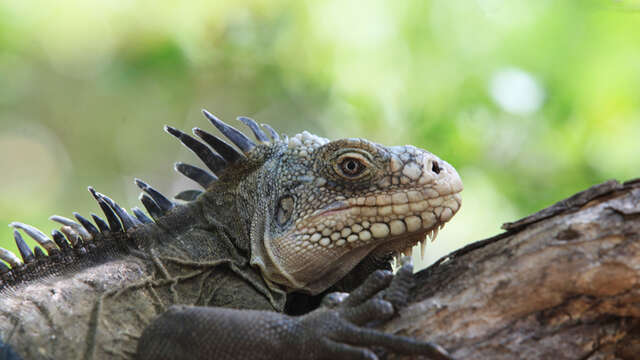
(563,283)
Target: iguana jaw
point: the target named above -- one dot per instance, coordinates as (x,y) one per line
(394,244)
(403,243)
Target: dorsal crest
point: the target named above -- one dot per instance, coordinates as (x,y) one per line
(82,241)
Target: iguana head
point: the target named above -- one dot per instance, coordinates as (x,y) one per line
(319,207)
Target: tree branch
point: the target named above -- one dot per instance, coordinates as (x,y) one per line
(563,283)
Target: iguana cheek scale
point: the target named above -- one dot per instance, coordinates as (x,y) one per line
(277,215)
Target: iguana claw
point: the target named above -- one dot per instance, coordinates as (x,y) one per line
(344,328)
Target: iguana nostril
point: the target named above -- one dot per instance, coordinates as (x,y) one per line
(435,167)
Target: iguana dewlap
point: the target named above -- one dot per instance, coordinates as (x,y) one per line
(280,219)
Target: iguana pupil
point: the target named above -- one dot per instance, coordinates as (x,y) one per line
(351,166)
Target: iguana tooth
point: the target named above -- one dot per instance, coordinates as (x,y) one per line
(141,216)
(409,251)
(272,131)
(163,203)
(188,195)
(196,174)
(225,150)
(74,225)
(25,251)
(434,234)
(152,208)
(127,220)
(423,245)
(213,161)
(255,128)
(112,219)
(39,253)
(61,240)
(102,225)
(93,231)
(36,235)
(238,138)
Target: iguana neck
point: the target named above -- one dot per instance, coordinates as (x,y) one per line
(202,233)
(199,230)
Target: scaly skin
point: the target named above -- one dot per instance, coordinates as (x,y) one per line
(282,216)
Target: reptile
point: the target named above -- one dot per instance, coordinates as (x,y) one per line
(283,254)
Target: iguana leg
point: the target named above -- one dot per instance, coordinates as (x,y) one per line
(337,330)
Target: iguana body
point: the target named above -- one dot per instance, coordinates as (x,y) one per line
(280,217)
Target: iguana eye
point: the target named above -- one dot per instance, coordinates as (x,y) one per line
(285,209)
(351,165)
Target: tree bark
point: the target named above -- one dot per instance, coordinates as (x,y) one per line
(563,283)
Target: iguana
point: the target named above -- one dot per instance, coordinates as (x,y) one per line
(237,270)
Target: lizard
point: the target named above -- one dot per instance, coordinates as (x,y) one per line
(284,253)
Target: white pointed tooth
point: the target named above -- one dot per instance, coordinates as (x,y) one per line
(435,234)
(409,251)
(423,244)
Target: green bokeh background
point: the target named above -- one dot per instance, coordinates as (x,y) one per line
(530,100)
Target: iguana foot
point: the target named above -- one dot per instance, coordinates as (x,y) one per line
(342,324)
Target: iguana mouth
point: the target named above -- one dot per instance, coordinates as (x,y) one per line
(398,245)
(394,221)
(334,207)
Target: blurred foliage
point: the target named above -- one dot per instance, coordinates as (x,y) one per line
(530,100)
